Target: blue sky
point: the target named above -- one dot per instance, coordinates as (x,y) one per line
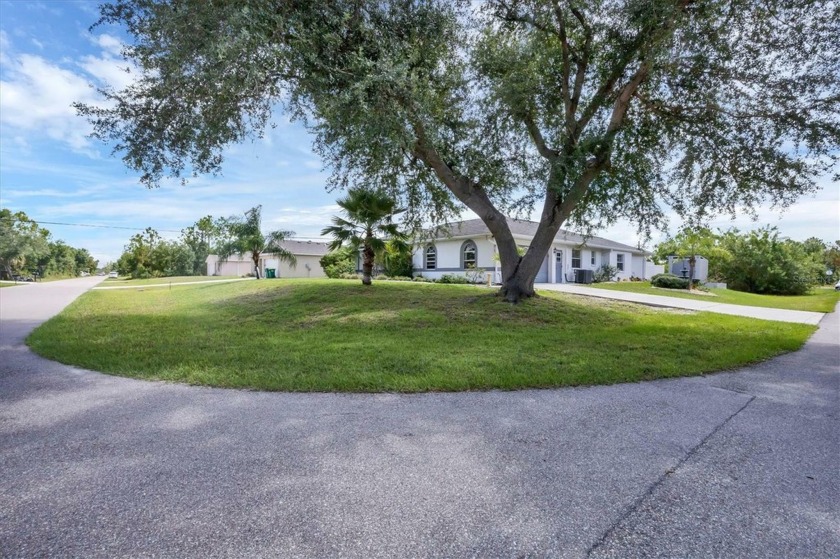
(53,172)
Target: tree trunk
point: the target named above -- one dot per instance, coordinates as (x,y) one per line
(367,264)
(691,262)
(256,258)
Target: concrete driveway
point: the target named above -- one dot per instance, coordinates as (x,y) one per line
(738,464)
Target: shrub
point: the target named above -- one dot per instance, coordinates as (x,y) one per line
(399,278)
(475,275)
(763,263)
(338,262)
(397,262)
(604,273)
(452,278)
(349,276)
(669,281)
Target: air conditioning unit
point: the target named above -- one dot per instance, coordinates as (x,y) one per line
(584,276)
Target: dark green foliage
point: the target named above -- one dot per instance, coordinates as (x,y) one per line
(669,281)
(201,238)
(589,111)
(396,261)
(27,249)
(453,278)
(339,262)
(764,263)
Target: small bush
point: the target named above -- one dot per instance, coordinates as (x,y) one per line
(349,276)
(669,281)
(475,275)
(452,278)
(338,262)
(399,278)
(604,273)
(422,279)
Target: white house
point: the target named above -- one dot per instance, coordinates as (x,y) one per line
(307,253)
(459,247)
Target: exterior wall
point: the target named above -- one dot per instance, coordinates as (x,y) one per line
(628,263)
(308,266)
(233,267)
(644,268)
(449,257)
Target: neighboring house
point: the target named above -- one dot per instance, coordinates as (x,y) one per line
(307,253)
(458,247)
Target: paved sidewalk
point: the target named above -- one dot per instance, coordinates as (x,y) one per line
(763,313)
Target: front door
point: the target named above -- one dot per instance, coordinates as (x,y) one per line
(558,267)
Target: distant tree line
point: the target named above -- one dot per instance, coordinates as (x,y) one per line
(28,250)
(759,261)
(148,255)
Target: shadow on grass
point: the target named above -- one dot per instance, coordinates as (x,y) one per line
(335,336)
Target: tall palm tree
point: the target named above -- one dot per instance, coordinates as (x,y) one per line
(245,235)
(368,218)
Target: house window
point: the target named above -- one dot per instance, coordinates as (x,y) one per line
(431,257)
(469,255)
(619,262)
(592,258)
(575,258)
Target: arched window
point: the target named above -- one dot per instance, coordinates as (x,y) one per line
(431,257)
(469,255)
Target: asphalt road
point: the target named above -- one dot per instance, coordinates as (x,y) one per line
(739,464)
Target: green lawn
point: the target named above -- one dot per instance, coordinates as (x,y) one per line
(4,284)
(332,335)
(821,299)
(163,281)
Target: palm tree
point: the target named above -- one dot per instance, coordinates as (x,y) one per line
(245,235)
(369,215)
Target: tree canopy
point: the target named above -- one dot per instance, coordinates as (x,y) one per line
(27,248)
(586,111)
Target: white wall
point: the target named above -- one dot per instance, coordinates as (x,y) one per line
(449,256)
(240,265)
(307,267)
(644,268)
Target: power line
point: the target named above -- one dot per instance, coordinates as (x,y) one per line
(39,222)
(103,226)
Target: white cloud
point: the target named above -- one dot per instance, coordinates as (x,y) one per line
(38,96)
(109,43)
(114,72)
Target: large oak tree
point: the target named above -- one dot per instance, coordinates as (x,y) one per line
(592,111)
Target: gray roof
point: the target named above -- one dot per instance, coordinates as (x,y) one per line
(525,228)
(306,248)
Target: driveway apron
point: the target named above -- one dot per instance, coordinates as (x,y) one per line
(735,464)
